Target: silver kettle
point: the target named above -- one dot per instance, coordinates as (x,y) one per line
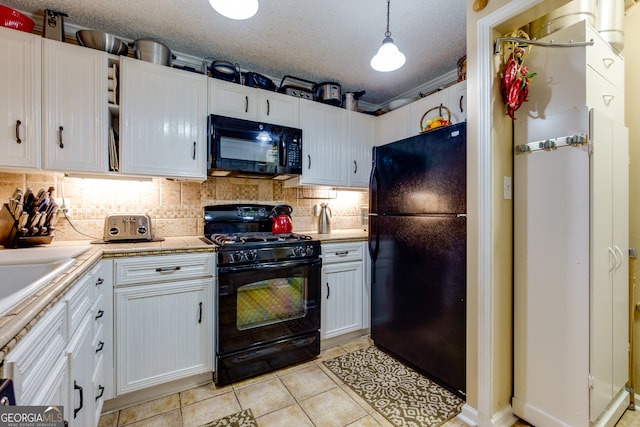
(324,219)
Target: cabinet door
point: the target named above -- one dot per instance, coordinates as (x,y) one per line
(75,112)
(458,102)
(278,108)
(232,100)
(80,356)
(419,109)
(163,118)
(324,137)
(395,125)
(20,105)
(341,298)
(163,333)
(362,137)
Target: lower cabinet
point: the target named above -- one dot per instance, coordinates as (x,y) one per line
(163,323)
(343,282)
(80,411)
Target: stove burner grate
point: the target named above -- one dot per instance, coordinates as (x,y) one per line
(242,238)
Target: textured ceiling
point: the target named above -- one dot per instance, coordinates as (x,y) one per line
(319,40)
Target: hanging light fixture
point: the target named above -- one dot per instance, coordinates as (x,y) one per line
(389,57)
(235,9)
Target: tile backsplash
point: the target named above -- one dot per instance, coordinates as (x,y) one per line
(175,207)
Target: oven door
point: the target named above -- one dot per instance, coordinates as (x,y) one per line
(268,317)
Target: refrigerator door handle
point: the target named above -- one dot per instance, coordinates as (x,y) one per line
(461,215)
(373,237)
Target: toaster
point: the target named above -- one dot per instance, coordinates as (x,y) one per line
(119,227)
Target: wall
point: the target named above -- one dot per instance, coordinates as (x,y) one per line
(175,207)
(631,54)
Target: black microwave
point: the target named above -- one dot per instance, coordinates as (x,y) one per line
(240,147)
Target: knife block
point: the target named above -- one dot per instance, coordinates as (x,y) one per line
(11,237)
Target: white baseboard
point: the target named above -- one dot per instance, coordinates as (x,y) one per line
(468,415)
(614,411)
(504,417)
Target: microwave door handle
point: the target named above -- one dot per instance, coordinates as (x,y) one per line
(282,152)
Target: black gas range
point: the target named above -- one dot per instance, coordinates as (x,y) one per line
(268,292)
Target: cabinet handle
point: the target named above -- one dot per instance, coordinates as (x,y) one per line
(328,290)
(18,140)
(342,253)
(100,347)
(167,269)
(615,259)
(100,281)
(77,387)
(618,250)
(200,313)
(246,104)
(461,98)
(194,149)
(60,137)
(101,388)
(100,314)
(309,156)
(355,167)
(268,107)
(608,62)
(607,99)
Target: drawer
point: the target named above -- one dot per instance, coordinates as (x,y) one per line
(98,343)
(79,301)
(604,60)
(98,389)
(129,271)
(98,311)
(604,96)
(342,252)
(98,276)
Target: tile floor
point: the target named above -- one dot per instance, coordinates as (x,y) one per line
(307,394)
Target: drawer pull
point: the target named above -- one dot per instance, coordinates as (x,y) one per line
(100,314)
(101,388)
(100,347)
(77,387)
(60,143)
(342,253)
(167,269)
(100,281)
(328,290)
(18,140)
(607,99)
(200,313)
(608,62)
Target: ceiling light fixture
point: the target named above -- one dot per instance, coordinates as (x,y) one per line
(235,9)
(389,57)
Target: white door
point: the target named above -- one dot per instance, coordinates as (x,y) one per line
(396,125)
(75,111)
(341,298)
(20,104)
(80,412)
(279,109)
(458,102)
(362,138)
(232,100)
(163,121)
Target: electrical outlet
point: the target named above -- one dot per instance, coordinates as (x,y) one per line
(64,205)
(507,190)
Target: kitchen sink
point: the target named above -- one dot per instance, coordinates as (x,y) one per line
(24,271)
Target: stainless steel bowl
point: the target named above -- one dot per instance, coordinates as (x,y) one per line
(152,51)
(102,41)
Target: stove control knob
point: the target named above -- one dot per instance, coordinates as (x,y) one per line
(308,250)
(252,255)
(298,251)
(235,256)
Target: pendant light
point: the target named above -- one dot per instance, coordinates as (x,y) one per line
(235,9)
(389,57)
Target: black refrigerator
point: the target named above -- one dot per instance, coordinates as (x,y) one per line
(417,243)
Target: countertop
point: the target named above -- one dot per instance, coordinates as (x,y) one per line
(17,321)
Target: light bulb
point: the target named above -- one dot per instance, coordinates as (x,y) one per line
(235,9)
(388,58)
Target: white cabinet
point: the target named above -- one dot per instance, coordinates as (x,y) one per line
(453,97)
(20,107)
(342,288)
(162,121)
(244,102)
(164,318)
(457,95)
(324,144)
(361,139)
(80,411)
(75,113)
(396,125)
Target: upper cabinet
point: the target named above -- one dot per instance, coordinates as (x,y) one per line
(75,114)
(244,102)
(20,85)
(162,121)
(362,138)
(394,125)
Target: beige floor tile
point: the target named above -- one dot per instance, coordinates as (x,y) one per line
(307,382)
(211,409)
(381,419)
(109,419)
(332,408)
(360,401)
(254,380)
(148,409)
(358,344)
(330,353)
(286,417)
(206,391)
(330,374)
(167,419)
(265,397)
(367,421)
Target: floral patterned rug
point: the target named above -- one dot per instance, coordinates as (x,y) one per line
(403,396)
(239,419)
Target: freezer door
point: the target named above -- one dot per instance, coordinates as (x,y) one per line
(425,174)
(418,293)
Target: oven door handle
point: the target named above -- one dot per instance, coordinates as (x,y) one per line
(271,265)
